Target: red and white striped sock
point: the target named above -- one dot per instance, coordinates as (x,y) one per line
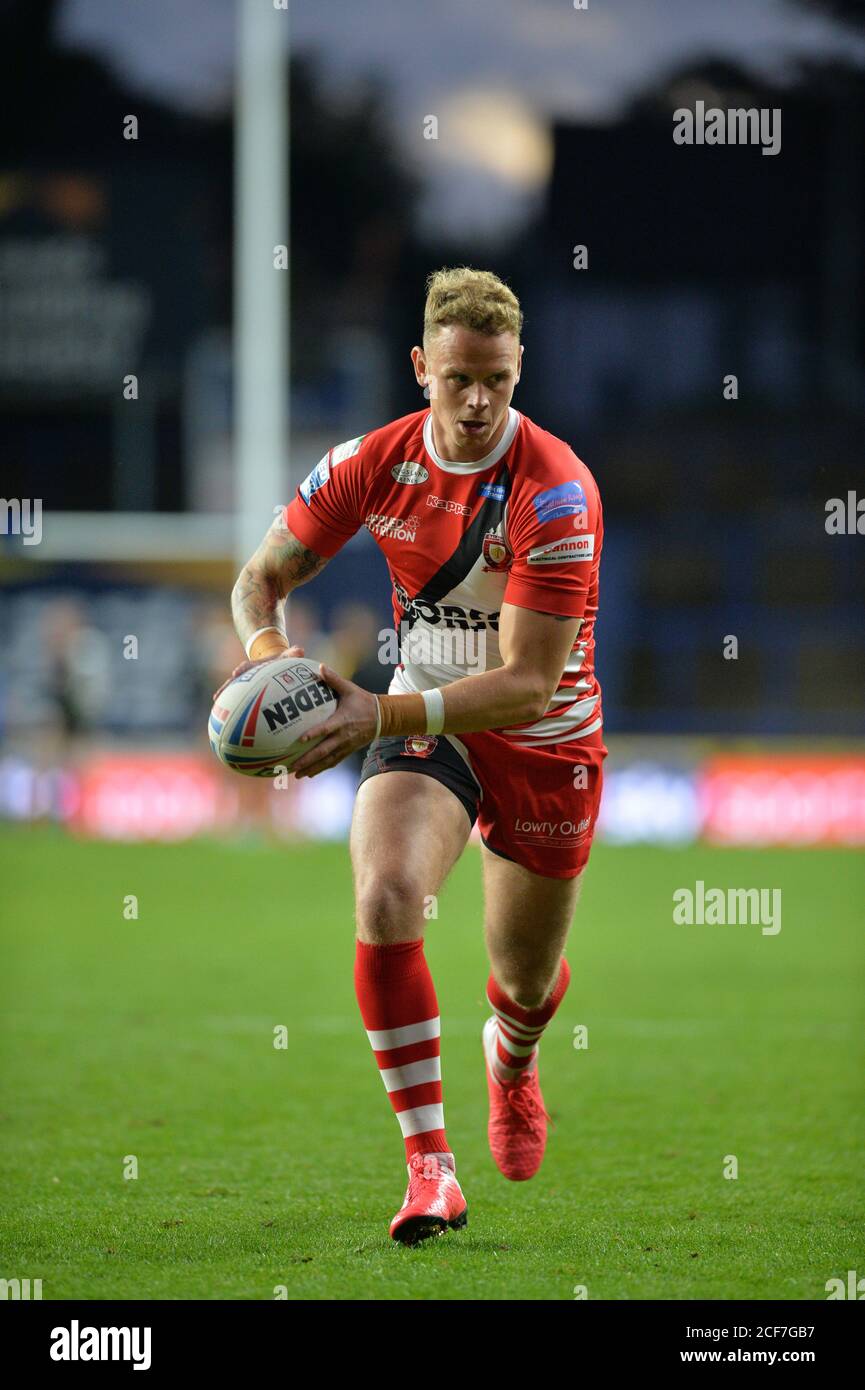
(400,1012)
(518,1031)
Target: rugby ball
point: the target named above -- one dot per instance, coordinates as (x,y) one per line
(257,719)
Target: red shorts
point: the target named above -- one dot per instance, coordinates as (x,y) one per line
(535,806)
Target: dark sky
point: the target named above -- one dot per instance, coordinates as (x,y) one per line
(494,72)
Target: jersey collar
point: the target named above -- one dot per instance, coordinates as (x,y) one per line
(498,452)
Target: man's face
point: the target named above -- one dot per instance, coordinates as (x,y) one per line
(471,378)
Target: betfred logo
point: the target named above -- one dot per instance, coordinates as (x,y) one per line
(420,745)
(496,552)
(563,552)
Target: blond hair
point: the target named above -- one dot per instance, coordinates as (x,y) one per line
(476,299)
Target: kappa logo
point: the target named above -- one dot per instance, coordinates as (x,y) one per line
(496,553)
(444,504)
(409,472)
(563,552)
(420,745)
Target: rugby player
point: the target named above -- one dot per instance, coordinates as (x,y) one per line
(492,532)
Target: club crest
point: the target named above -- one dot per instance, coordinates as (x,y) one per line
(420,745)
(495,552)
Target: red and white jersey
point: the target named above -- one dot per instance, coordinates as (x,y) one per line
(521,526)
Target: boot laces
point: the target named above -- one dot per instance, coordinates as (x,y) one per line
(524,1099)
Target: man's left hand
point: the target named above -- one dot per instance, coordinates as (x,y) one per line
(352,727)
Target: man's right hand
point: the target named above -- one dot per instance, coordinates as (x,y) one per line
(259,661)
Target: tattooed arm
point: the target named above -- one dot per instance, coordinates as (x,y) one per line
(281,563)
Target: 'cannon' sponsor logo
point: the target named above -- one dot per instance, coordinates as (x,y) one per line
(563,552)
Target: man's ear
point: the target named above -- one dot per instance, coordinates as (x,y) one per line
(419,364)
(519,363)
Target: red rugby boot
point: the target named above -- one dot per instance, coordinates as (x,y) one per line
(518,1121)
(433,1202)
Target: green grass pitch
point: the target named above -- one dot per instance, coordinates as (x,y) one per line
(261,1167)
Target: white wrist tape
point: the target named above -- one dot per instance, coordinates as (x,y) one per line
(435,711)
(258,633)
